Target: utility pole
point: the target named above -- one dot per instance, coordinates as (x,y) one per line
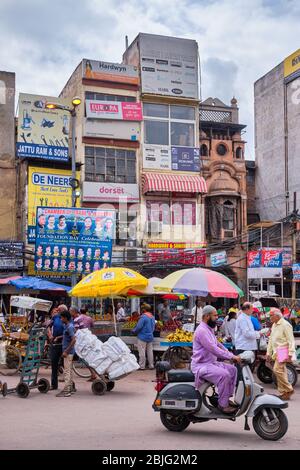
(294,247)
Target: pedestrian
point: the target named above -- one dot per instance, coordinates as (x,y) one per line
(76,317)
(55,335)
(206,361)
(164,311)
(144,330)
(85,319)
(228,327)
(255,320)
(245,334)
(281,336)
(68,353)
(121,314)
(197,312)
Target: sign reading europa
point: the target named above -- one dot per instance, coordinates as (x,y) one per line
(125,111)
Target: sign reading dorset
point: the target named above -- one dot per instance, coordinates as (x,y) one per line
(110,192)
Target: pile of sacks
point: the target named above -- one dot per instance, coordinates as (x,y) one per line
(112,357)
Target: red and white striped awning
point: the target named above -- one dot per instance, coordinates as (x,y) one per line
(173,183)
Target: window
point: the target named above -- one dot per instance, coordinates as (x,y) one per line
(221,150)
(126,226)
(90,95)
(203,150)
(110,165)
(171,212)
(228,215)
(239,152)
(169,125)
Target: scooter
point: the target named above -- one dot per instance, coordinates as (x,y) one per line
(180,404)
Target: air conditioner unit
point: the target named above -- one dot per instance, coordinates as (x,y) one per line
(133,254)
(228,233)
(154,228)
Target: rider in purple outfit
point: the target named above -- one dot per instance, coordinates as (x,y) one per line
(205,365)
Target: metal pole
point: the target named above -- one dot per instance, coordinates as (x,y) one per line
(294,251)
(73,156)
(261,279)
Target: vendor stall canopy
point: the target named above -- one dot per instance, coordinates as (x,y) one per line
(30,303)
(36,283)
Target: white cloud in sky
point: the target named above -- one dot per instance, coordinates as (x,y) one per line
(239,40)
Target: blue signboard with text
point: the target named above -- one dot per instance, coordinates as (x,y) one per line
(185,158)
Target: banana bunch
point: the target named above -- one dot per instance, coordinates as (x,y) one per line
(180,336)
(129,325)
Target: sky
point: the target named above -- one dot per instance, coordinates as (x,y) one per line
(239,40)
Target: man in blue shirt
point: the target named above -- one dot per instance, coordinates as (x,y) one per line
(68,353)
(55,335)
(144,329)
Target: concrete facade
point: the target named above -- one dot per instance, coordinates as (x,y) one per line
(8,186)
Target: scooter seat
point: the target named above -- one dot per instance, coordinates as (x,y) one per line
(181,375)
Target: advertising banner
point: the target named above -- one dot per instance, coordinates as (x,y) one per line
(73,240)
(185,158)
(254,259)
(265,264)
(292,65)
(271,258)
(157,157)
(11,256)
(169,66)
(47,187)
(218,259)
(43,133)
(110,72)
(110,192)
(287,257)
(124,111)
(111,129)
(177,253)
(296,272)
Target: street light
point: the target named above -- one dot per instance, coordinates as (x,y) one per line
(75,102)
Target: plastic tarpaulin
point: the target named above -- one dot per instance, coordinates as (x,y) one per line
(30,282)
(31,303)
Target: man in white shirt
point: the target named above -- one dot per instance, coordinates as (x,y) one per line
(197,312)
(245,334)
(121,315)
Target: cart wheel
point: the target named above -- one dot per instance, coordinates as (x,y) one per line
(99,387)
(4,389)
(43,386)
(22,390)
(110,386)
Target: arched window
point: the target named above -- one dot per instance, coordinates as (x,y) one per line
(239,152)
(203,150)
(228,215)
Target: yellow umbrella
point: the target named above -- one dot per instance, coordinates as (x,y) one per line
(108,282)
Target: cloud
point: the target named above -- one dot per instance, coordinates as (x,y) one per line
(43,42)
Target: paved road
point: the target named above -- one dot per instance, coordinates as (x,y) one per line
(121,419)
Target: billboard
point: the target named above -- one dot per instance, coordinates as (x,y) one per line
(265,264)
(11,256)
(218,259)
(296,272)
(110,192)
(110,72)
(43,133)
(120,110)
(169,66)
(47,187)
(291,65)
(156,157)
(73,240)
(111,129)
(185,158)
(177,253)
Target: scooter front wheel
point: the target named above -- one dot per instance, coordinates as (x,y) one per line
(174,422)
(274,427)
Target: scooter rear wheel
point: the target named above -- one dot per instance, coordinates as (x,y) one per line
(264,373)
(291,373)
(174,422)
(270,432)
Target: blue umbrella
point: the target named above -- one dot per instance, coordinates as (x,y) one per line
(36,283)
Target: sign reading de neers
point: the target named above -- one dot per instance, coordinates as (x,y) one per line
(125,111)
(110,192)
(43,133)
(177,253)
(73,240)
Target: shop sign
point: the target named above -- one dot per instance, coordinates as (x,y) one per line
(11,256)
(43,133)
(111,129)
(47,187)
(287,257)
(185,158)
(292,65)
(110,192)
(253,258)
(218,259)
(265,264)
(157,157)
(73,240)
(110,72)
(177,253)
(124,111)
(169,66)
(296,272)
(271,258)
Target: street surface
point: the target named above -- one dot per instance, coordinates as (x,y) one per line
(121,419)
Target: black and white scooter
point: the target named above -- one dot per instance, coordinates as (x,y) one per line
(180,404)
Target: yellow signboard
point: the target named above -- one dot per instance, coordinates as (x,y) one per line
(292,63)
(50,188)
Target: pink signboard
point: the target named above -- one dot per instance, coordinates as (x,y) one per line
(120,110)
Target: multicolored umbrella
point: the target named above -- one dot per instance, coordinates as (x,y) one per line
(109,282)
(199,282)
